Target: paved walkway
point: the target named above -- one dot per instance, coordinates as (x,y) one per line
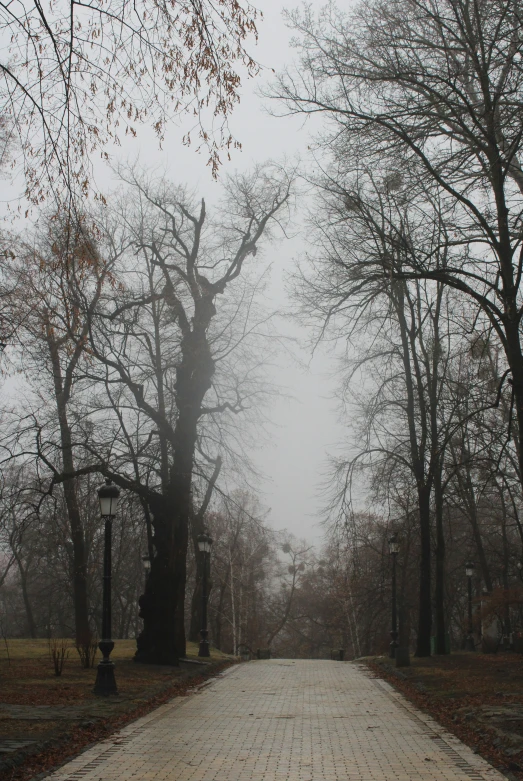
(282,720)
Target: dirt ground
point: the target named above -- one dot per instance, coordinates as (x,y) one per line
(478,697)
(45,718)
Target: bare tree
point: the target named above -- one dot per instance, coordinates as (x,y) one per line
(75,75)
(367,226)
(52,278)
(441,87)
(157,348)
(283,599)
(242,560)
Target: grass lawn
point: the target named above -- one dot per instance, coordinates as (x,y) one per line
(60,714)
(478,697)
(39,649)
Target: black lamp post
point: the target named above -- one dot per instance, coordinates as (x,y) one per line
(469,642)
(394,549)
(105,684)
(204,546)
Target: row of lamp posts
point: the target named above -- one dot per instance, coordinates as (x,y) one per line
(108,496)
(105,684)
(394,549)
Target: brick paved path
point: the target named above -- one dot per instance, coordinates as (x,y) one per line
(283,720)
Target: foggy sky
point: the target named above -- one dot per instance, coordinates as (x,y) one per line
(304,427)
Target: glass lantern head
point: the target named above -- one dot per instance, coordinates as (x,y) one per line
(394,546)
(108,496)
(146,563)
(204,543)
(469,569)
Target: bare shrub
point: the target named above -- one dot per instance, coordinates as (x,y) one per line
(59,652)
(87,653)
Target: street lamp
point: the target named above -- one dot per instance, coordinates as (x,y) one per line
(394,549)
(105,683)
(519,565)
(204,546)
(469,642)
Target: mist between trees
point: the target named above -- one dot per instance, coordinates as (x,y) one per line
(144,339)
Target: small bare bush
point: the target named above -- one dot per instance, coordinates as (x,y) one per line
(59,652)
(87,653)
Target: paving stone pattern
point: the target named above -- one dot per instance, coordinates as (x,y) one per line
(284,720)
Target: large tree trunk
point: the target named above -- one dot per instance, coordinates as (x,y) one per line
(425,598)
(158,642)
(440,564)
(31,625)
(79,562)
(515,361)
(162,640)
(417,463)
(512,318)
(432,363)
(505,569)
(80,590)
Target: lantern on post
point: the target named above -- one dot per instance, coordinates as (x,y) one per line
(394,549)
(108,496)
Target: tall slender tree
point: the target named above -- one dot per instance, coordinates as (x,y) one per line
(54,279)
